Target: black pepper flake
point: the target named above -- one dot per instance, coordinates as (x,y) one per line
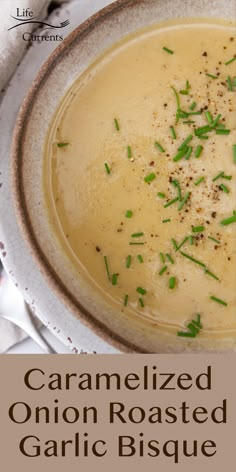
(151,163)
(213,214)
(205,54)
(98,249)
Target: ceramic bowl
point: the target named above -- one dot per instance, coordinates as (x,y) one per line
(76,301)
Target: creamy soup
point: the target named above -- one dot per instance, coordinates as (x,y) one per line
(140,176)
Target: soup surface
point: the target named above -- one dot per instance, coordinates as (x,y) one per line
(140,176)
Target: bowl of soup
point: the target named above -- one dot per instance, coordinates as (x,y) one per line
(123,171)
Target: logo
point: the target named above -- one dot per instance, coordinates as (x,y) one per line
(25,16)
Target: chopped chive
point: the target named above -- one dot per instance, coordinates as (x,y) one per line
(60,145)
(222,131)
(150,177)
(184,201)
(220,126)
(161,195)
(208,116)
(182,114)
(186,90)
(185,142)
(177,185)
(129,152)
(194,328)
(180,154)
(166,221)
(178,103)
(212,76)
(218,300)
(229,83)
(181,244)
(231,60)
(227,177)
(126,300)
(170,258)
(117,126)
(215,122)
(129,214)
(190,238)
(140,259)
(198,229)
(186,335)
(202,130)
(172,282)
(174,244)
(188,122)
(228,221)
(108,170)
(158,145)
(137,235)
(224,188)
(177,97)
(213,239)
(199,181)
(171,202)
(131,243)
(163,270)
(173,133)
(189,152)
(128,261)
(218,176)
(202,136)
(193,106)
(141,290)
(211,274)
(114,279)
(197,322)
(107,267)
(234,153)
(193,113)
(168,50)
(141,302)
(162,257)
(193,259)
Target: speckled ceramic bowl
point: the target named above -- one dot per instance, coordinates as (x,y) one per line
(75,301)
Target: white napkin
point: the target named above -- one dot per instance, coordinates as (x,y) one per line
(12,47)
(11,302)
